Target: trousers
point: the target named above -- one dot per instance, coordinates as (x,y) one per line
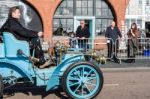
(36,49)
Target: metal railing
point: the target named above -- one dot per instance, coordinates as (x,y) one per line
(93,47)
(106,47)
(133,49)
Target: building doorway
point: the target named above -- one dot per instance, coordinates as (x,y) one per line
(90,23)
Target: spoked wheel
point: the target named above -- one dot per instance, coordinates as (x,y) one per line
(1,87)
(82,80)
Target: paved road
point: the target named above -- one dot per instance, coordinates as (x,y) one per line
(118,84)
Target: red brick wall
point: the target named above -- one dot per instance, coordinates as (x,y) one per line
(46,9)
(120,9)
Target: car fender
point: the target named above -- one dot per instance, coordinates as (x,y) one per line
(54,78)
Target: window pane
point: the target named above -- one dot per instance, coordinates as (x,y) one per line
(140,2)
(98,21)
(70,22)
(65,11)
(90,3)
(90,11)
(78,3)
(69,25)
(104,5)
(128,23)
(78,11)
(104,23)
(104,12)
(84,11)
(98,4)
(70,11)
(139,23)
(98,12)
(62,22)
(110,13)
(56,23)
(70,4)
(84,3)
(109,22)
(98,27)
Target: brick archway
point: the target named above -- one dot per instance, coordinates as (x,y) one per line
(120,9)
(46,9)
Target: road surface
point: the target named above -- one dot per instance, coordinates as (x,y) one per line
(118,84)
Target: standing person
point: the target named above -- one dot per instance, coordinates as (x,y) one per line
(133,35)
(83,34)
(13,26)
(112,33)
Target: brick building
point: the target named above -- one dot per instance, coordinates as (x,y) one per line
(52,14)
(47,9)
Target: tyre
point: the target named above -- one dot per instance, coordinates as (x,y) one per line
(1,87)
(82,80)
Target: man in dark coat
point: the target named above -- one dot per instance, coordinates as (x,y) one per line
(83,34)
(113,33)
(13,26)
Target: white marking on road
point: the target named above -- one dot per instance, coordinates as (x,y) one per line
(111,85)
(125,69)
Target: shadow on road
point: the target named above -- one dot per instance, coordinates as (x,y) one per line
(28,90)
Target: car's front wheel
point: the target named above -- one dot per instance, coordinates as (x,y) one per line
(82,80)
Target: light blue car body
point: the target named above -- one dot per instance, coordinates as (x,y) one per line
(19,66)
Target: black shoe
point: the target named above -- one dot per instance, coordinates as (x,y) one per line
(46,64)
(117,61)
(133,60)
(111,60)
(108,59)
(130,61)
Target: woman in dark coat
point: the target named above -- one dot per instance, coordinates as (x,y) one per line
(133,35)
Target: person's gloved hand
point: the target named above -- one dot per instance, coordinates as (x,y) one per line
(83,38)
(40,34)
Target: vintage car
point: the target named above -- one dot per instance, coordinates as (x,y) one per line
(80,79)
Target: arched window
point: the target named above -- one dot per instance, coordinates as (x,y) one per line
(30,18)
(68,9)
